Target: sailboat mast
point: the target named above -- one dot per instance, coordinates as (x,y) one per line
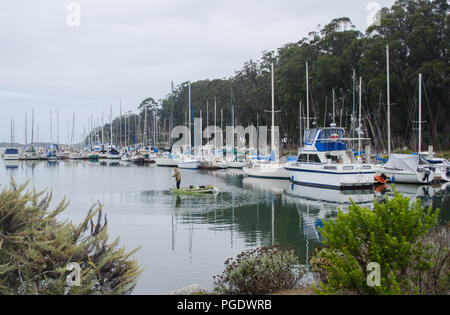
(272,130)
(189,114)
(26,129)
(51,129)
(32,127)
(215,123)
(300,123)
(388,101)
(334,108)
(359,118)
(420,113)
(307,96)
(111,129)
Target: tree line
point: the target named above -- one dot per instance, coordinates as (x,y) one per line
(417,33)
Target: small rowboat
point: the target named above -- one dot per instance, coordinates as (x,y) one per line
(195,190)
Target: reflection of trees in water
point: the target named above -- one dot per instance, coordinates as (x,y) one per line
(271,221)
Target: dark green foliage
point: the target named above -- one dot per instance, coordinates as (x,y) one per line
(36,248)
(418,35)
(395,234)
(259,271)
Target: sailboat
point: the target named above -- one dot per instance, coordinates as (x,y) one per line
(273,169)
(11,153)
(31,154)
(406,168)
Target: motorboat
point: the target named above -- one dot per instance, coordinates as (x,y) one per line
(11,154)
(325,162)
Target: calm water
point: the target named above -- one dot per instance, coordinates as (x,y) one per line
(186,239)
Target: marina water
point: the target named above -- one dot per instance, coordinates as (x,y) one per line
(186,239)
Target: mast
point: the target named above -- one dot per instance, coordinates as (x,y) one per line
(120,124)
(145,126)
(171,117)
(420,114)
(32,127)
(51,128)
(388,101)
(215,123)
(26,136)
(334,108)
(103,139)
(189,114)
(111,129)
(307,96)
(57,126)
(359,119)
(354,104)
(272,130)
(300,121)
(232,120)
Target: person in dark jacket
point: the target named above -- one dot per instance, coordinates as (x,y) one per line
(177,176)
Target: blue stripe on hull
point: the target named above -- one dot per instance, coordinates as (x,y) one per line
(356,187)
(268,177)
(325,172)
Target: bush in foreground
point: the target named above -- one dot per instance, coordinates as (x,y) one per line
(36,248)
(396,235)
(259,271)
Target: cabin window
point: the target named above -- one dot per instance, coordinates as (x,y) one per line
(347,168)
(308,158)
(330,168)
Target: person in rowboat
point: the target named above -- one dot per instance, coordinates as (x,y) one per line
(177,176)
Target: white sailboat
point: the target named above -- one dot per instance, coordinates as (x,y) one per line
(273,169)
(406,168)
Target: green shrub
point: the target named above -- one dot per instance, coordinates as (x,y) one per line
(392,235)
(259,271)
(36,248)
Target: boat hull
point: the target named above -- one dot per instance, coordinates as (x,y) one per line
(338,178)
(166,162)
(268,172)
(190,165)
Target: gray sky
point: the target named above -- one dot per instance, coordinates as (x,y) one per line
(133,49)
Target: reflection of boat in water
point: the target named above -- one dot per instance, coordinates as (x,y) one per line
(272,185)
(11,164)
(331,196)
(424,192)
(315,205)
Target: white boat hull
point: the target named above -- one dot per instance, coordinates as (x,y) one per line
(191,165)
(331,176)
(398,176)
(238,165)
(166,162)
(266,171)
(11,157)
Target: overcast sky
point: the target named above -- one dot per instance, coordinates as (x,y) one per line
(133,49)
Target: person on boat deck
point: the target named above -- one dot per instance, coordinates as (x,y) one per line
(177,176)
